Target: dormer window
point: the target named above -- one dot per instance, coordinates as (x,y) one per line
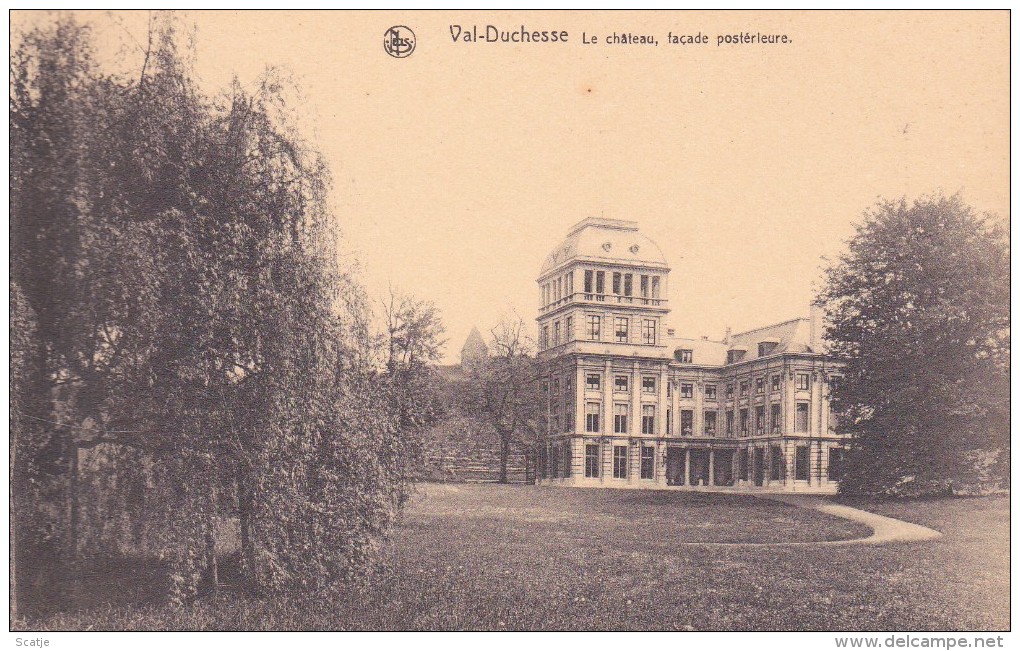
(766,347)
(734,356)
(684,355)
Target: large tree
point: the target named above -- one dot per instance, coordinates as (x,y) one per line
(503,389)
(918,310)
(414,343)
(194,338)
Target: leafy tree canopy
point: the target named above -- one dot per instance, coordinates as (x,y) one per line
(918,311)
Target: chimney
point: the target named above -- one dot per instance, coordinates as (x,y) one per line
(704,337)
(817,317)
(726,340)
(670,332)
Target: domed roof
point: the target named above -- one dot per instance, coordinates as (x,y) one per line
(611,241)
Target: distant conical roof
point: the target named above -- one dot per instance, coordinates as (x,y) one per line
(474,348)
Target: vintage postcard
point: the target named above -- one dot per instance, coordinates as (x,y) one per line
(687,321)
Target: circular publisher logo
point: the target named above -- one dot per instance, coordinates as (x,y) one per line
(399,41)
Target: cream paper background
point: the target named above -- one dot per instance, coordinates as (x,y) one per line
(458,168)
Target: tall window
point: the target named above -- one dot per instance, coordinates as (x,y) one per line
(655,287)
(803,409)
(776,380)
(620,419)
(759,419)
(729,423)
(745,387)
(591,460)
(567,459)
(556,333)
(648,384)
(669,420)
(777,463)
(589,278)
(569,334)
(686,422)
(648,419)
(628,284)
(600,283)
(710,417)
(709,392)
(686,390)
(594,327)
(743,422)
(759,385)
(648,331)
(802,467)
(644,286)
(545,337)
(803,381)
(617,282)
(647,462)
(591,416)
(593,381)
(776,419)
(619,461)
(621,329)
(729,390)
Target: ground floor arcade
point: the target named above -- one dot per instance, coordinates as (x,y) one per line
(765,464)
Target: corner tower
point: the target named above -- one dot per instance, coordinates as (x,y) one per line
(604,362)
(607,270)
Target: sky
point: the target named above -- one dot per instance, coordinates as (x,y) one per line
(458,168)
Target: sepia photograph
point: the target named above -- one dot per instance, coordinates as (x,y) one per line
(510,321)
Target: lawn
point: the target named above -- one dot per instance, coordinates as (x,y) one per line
(526,557)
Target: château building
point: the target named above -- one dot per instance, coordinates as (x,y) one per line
(630,404)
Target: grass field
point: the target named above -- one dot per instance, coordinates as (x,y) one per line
(526,557)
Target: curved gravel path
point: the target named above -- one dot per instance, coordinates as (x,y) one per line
(883,529)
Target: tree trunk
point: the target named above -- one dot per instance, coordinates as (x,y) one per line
(72,501)
(13,506)
(210,553)
(245,509)
(212,569)
(504,456)
(73,588)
